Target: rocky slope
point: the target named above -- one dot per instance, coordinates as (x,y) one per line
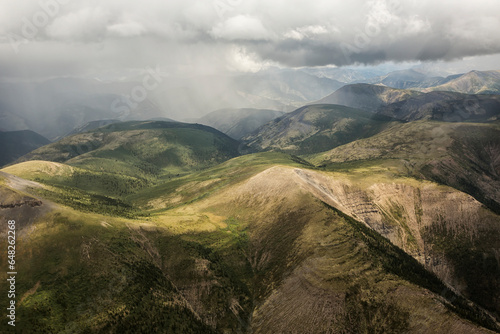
(430,222)
(289,229)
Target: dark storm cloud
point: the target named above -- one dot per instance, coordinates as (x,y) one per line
(50,37)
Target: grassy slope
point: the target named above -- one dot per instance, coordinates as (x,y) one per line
(184,190)
(142,149)
(247,244)
(79,276)
(80,188)
(102,167)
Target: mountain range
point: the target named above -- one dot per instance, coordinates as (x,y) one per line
(473,82)
(70,103)
(372,210)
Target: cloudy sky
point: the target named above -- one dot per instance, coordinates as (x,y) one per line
(40,38)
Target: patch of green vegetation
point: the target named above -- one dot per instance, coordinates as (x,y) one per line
(419,212)
(96,182)
(238,231)
(348,166)
(213,256)
(302,161)
(90,202)
(86,278)
(142,149)
(398,218)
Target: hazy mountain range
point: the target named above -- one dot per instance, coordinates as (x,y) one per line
(238,123)
(72,102)
(473,82)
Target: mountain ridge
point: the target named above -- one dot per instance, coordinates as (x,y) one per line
(473,82)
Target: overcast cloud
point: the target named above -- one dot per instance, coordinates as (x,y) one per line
(186,37)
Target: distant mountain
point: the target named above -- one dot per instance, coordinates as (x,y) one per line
(342,74)
(474,82)
(276,89)
(238,123)
(408,79)
(367,97)
(316,128)
(409,105)
(445,106)
(141,149)
(14,144)
(351,75)
(290,87)
(11,122)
